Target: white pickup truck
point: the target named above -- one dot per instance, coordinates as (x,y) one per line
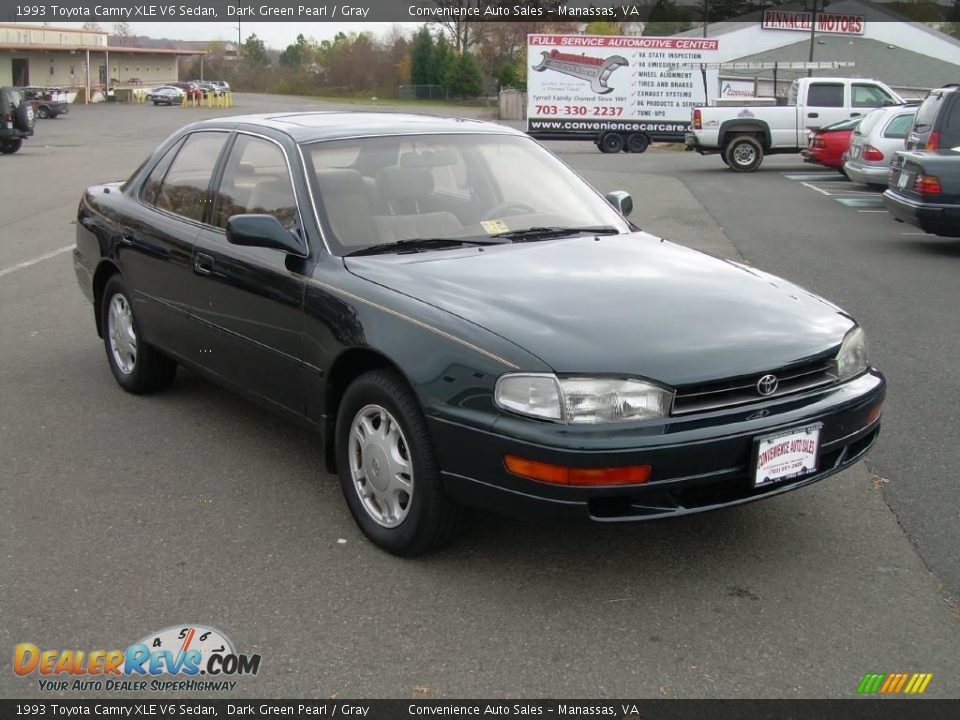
(742,135)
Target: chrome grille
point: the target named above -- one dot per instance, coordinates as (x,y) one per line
(743,390)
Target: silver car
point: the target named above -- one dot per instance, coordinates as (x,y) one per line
(875,141)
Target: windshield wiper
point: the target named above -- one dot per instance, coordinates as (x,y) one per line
(544,233)
(419,244)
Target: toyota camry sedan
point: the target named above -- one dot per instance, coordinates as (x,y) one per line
(465,322)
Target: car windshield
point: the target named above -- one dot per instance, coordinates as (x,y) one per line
(380,190)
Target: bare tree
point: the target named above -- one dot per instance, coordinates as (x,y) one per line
(121,31)
(92,26)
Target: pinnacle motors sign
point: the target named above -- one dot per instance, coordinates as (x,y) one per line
(826,22)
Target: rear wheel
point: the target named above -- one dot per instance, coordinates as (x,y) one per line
(43,111)
(743,154)
(637,142)
(138,367)
(11,146)
(388,470)
(610,142)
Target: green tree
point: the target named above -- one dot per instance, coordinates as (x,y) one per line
(253,52)
(464,78)
(442,59)
(421,57)
(298,54)
(600,27)
(666,18)
(510,76)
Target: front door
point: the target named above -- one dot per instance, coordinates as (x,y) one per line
(248,300)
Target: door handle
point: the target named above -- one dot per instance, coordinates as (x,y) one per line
(126,237)
(203,264)
(854,114)
(813,115)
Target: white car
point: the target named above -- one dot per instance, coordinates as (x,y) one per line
(875,141)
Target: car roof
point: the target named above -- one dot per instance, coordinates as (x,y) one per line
(333,125)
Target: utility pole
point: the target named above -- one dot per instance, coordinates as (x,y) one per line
(813,35)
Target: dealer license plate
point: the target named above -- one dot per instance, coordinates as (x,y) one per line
(786,455)
(904,179)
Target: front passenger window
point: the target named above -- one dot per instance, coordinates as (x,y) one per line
(184,189)
(256,180)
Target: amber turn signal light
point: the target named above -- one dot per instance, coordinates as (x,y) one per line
(562,475)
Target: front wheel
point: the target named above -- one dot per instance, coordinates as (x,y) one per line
(43,112)
(743,154)
(388,470)
(138,367)
(11,146)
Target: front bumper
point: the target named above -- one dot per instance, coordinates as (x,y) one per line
(866,174)
(929,217)
(699,463)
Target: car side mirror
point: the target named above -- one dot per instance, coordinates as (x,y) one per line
(621,201)
(262,231)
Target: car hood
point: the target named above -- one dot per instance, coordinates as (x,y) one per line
(626,304)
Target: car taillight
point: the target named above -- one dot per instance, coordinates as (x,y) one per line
(871,153)
(933,141)
(927,185)
(697,120)
(818,142)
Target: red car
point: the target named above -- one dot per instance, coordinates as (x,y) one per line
(827,145)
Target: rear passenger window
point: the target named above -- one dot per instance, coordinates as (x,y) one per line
(825,95)
(148,191)
(256,180)
(898,127)
(184,189)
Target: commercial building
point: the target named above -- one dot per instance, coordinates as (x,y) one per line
(81,60)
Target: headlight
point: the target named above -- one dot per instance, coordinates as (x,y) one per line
(581,399)
(852,358)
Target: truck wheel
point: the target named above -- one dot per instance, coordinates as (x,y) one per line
(43,112)
(743,154)
(11,146)
(610,142)
(637,142)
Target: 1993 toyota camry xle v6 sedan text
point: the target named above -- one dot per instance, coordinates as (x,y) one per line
(466,322)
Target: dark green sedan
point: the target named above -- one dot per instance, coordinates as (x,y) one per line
(465,322)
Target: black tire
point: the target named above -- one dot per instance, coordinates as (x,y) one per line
(11,146)
(637,143)
(43,112)
(724,158)
(24,118)
(430,518)
(151,370)
(610,142)
(156,103)
(743,154)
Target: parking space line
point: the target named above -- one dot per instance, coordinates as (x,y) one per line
(813,187)
(829,177)
(34,261)
(874,202)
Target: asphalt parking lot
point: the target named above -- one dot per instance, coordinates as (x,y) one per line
(120,515)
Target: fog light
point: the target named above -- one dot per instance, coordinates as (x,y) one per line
(563,475)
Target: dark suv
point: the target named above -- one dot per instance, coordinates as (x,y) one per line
(937,124)
(16,120)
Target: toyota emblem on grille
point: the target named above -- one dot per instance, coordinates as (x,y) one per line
(767,385)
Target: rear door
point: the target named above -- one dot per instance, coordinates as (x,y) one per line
(157,238)
(248,301)
(825,104)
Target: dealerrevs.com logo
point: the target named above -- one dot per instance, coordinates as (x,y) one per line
(177,658)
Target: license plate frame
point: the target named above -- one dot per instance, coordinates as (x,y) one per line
(790,464)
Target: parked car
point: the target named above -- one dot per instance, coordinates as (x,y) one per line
(16,120)
(464,321)
(208,88)
(165,95)
(223,85)
(190,89)
(744,134)
(47,102)
(827,145)
(875,141)
(925,190)
(937,124)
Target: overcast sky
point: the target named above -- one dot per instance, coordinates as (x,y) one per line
(275,34)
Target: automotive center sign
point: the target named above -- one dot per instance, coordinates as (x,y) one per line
(826,22)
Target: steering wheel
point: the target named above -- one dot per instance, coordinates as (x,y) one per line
(508,208)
